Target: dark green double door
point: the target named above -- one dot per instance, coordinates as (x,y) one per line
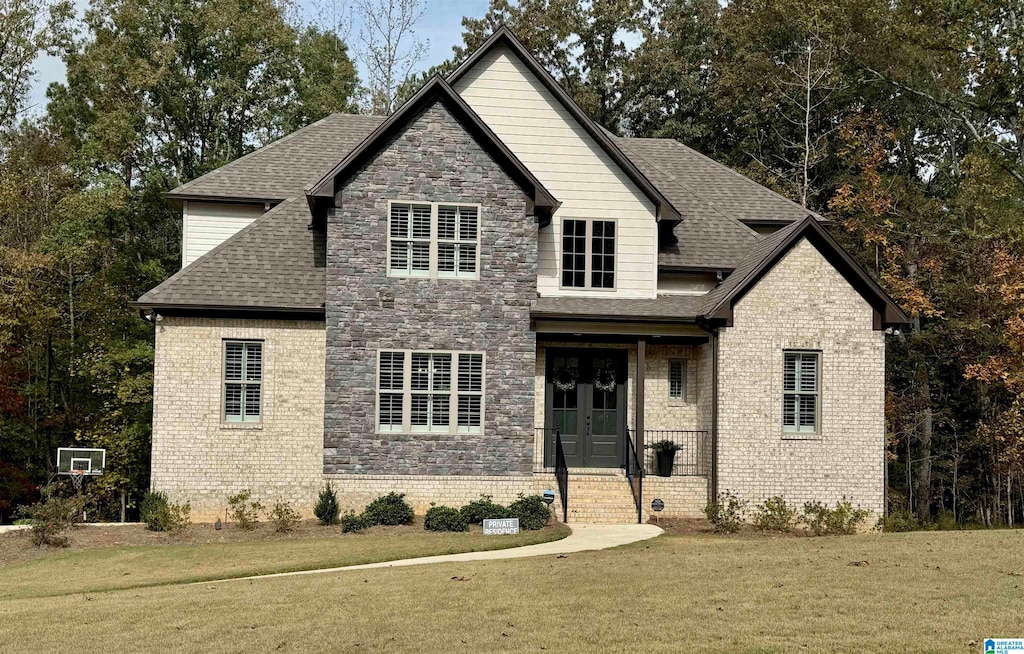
(586,402)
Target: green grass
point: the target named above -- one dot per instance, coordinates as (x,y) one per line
(917,592)
(113,568)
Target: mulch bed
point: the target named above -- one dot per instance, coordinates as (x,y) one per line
(17,546)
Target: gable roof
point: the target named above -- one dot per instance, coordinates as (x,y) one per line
(436,90)
(280,170)
(504,36)
(276,264)
(719,302)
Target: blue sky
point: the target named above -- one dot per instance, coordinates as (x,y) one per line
(441,27)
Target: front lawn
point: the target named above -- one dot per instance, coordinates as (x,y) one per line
(917,592)
(109,558)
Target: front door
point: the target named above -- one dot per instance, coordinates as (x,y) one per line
(586,403)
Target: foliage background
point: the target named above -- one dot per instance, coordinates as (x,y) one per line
(900,121)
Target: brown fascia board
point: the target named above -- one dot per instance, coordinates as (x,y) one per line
(887,312)
(666,211)
(436,89)
(635,318)
(224,310)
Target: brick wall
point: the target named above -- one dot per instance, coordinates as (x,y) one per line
(802,303)
(198,458)
(433,160)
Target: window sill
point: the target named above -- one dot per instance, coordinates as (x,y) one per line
(242,425)
(797,436)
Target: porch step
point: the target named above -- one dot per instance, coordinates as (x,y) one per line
(601,499)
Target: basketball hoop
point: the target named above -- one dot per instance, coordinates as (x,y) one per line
(77,477)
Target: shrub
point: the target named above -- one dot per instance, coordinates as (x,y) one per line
(945,521)
(284,518)
(390,509)
(445,518)
(483,509)
(244,510)
(327,509)
(899,520)
(53,516)
(842,520)
(160,514)
(352,522)
(532,511)
(666,446)
(775,515)
(726,513)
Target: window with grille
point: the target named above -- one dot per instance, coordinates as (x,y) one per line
(433,240)
(390,390)
(800,387)
(430,391)
(676,379)
(243,381)
(588,253)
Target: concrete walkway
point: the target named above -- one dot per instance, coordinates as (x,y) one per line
(582,538)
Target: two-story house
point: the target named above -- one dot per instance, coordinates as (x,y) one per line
(487,288)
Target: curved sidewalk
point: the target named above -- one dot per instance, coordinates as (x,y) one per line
(582,538)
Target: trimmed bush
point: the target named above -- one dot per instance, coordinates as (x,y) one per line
(160,514)
(775,515)
(483,509)
(352,522)
(53,516)
(445,518)
(532,511)
(390,509)
(327,508)
(726,513)
(244,510)
(842,520)
(284,518)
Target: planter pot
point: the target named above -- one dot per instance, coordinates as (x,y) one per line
(665,459)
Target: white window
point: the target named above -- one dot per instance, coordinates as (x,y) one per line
(676,379)
(588,253)
(243,381)
(432,239)
(424,391)
(800,388)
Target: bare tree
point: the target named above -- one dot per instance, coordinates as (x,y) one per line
(389,48)
(807,78)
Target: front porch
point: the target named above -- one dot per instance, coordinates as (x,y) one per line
(607,396)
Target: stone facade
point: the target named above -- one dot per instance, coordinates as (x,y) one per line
(802,303)
(432,160)
(199,458)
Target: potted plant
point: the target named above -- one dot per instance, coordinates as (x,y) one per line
(665,455)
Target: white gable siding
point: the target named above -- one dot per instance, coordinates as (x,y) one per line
(548,140)
(208,224)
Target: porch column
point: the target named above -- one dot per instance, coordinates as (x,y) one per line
(641,369)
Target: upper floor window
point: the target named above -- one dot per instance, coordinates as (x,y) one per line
(243,381)
(588,253)
(433,240)
(430,391)
(800,392)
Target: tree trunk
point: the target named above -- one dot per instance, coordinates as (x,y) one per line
(924,470)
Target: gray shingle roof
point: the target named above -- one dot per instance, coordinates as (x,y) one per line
(665,307)
(275,263)
(280,170)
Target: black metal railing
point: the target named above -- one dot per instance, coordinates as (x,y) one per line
(693,458)
(634,475)
(562,476)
